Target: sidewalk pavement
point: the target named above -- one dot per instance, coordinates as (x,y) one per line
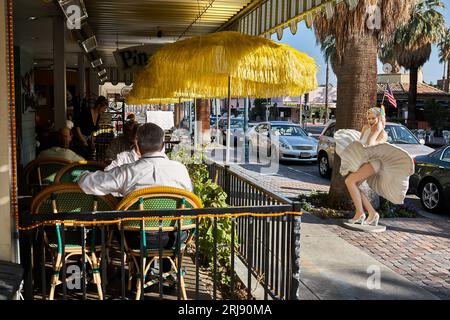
(415,248)
(332,268)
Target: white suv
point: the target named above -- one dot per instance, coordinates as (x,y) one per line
(398,135)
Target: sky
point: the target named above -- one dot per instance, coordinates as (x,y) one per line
(305,40)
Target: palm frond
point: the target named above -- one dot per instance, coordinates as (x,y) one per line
(346,24)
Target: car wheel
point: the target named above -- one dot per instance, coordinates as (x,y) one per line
(324,166)
(431,196)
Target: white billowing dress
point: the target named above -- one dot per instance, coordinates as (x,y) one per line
(392,165)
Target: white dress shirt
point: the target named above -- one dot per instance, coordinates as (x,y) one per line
(151,170)
(122,158)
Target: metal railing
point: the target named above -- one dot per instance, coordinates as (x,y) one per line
(265,238)
(263,242)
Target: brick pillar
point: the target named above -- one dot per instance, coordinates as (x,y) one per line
(203,111)
(178,114)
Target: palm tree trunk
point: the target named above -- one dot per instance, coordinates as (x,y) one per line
(356,93)
(326,91)
(203,116)
(445,71)
(447,83)
(412,97)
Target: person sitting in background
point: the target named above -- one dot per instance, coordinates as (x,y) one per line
(125,157)
(122,143)
(151,170)
(69,122)
(131,117)
(59,146)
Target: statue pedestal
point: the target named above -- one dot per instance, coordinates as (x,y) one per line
(363,228)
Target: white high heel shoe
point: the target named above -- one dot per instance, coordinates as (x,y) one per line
(359,220)
(374,221)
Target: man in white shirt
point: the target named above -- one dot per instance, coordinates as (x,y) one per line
(152,169)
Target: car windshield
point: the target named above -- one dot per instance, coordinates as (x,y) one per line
(315,129)
(400,135)
(293,131)
(235,123)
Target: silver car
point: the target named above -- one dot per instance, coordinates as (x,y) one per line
(294,143)
(398,135)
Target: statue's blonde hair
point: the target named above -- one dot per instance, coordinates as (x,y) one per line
(379,113)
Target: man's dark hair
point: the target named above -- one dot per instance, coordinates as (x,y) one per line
(56,139)
(150,138)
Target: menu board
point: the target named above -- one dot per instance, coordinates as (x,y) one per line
(164,119)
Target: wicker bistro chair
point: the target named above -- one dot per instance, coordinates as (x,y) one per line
(42,172)
(72,172)
(157,198)
(70,198)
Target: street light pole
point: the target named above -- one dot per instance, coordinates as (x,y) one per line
(246,107)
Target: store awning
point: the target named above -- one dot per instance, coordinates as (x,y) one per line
(273,16)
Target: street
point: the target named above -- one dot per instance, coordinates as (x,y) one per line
(289,178)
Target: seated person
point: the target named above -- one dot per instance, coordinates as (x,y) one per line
(122,143)
(131,117)
(59,142)
(125,157)
(151,170)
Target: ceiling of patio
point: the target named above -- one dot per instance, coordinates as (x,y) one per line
(36,36)
(134,22)
(122,23)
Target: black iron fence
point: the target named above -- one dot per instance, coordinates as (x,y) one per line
(265,240)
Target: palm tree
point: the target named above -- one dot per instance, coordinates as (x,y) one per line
(412,43)
(444,57)
(386,55)
(357,45)
(328,48)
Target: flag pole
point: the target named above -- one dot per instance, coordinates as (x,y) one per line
(384,93)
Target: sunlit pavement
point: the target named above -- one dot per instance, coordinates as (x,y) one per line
(418,249)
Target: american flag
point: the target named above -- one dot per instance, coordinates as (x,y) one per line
(390,96)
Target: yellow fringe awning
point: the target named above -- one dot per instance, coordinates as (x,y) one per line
(199,67)
(137,101)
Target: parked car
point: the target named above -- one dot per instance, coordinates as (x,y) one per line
(398,135)
(294,142)
(315,130)
(431,180)
(236,127)
(213,120)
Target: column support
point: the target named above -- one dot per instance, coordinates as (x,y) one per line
(59,73)
(81,76)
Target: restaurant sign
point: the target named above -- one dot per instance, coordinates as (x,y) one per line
(133,59)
